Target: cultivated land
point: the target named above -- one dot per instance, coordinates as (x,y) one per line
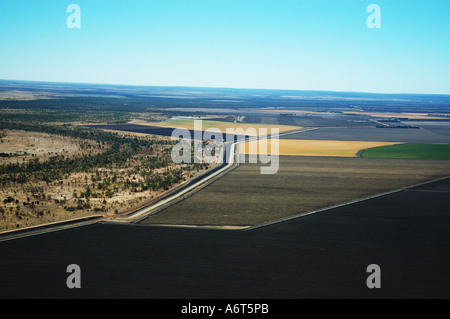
(371,134)
(327,124)
(223,126)
(441,128)
(244,197)
(316,256)
(308,147)
(310,120)
(410,150)
(418,116)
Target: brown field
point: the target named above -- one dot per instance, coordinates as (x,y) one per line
(309,147)
(389,115)
(371,114)
(244,197)
(25,145)
(222,126)
(26,95)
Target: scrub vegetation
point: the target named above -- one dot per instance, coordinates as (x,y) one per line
(51,173)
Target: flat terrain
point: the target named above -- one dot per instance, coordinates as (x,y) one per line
(26,145)
(135,128)
(437,127)
(322,255)
(309,147)
(141,130)
(223,126)
(249,235)
(413,116)
(371,134)
(302,184)
(311,120)
(410,150)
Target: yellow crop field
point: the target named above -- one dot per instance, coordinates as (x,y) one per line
(249,129)
(309,147)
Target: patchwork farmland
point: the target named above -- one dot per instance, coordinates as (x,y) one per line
(308,231)
(318,168)
(302,184)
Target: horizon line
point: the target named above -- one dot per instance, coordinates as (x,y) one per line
(222,87)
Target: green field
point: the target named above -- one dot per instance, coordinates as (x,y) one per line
(410,150)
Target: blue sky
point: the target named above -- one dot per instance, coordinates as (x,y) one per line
(276,44)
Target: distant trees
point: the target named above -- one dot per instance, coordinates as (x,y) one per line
(8,200)
(109,163)
(135,154)
(120,150)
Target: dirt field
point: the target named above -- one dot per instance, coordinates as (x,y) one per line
(371,114)
(24,145)
(401,115)
(371,134)
(26,95)
(318,256)
(302,184)
(223,126)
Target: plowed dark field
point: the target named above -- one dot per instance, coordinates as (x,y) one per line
(301,185)
(323,255)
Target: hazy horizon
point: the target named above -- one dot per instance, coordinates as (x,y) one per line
(223,88)
(299,45)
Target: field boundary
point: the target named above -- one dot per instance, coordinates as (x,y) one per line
(359,153)
(177,200)
(341,205)
(49,227)
(215,172)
